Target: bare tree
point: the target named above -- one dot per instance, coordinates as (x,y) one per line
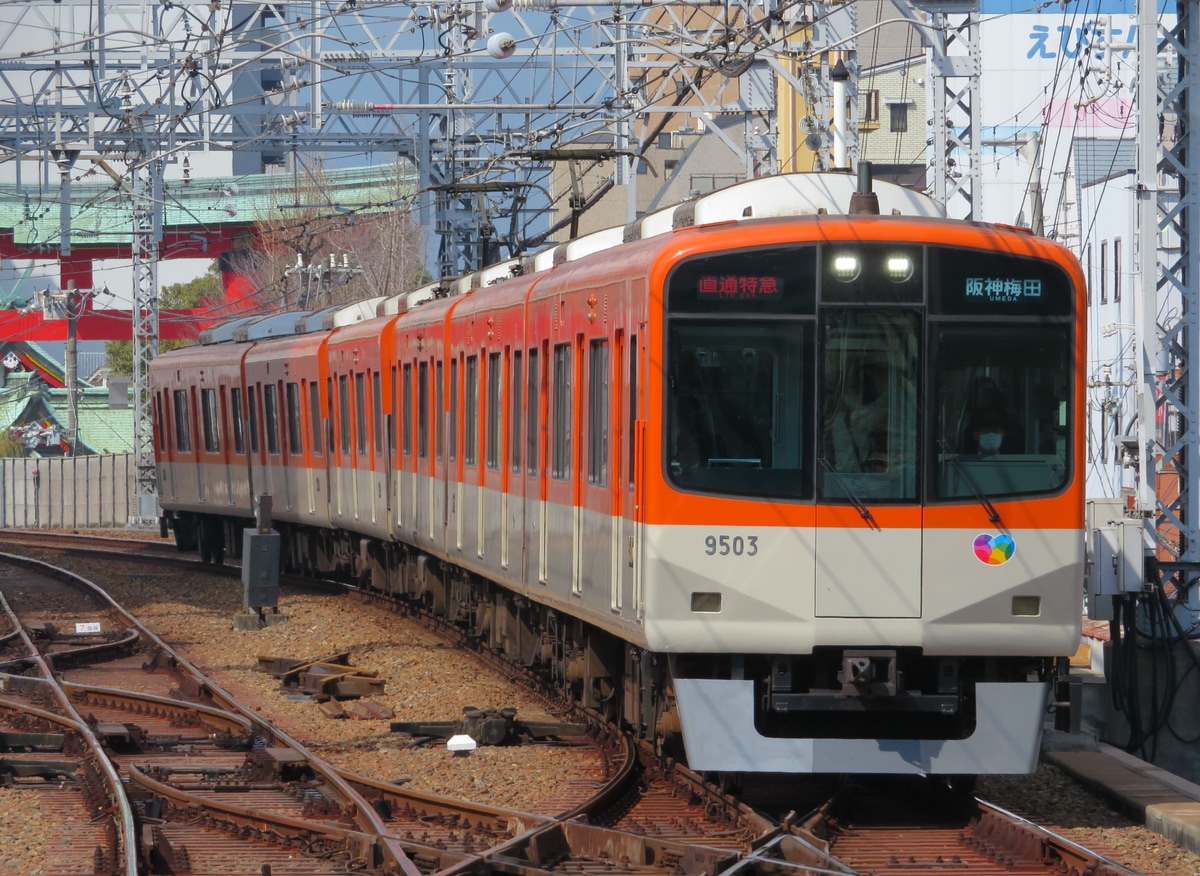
(311,252)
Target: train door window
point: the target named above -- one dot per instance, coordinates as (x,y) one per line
(531,414)
(252,415)
(235,405)
(271,418)
(314,415)
(598,413)
(183,426)
(377,411)
(561,458)
(360,412)
(633,395)
(292,401)
(516,412)
(344,413)
(211,422)
(869,403)
(493,411)
(423,410)
(406,404)
(161,434)
(471,402)
(439,415)
(453,410)
(396,413)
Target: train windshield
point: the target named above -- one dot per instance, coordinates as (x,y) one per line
(739,414)
(1001,394)
(875,373)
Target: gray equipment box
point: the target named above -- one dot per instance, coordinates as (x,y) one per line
(260,569)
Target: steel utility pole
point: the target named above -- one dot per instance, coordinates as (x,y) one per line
(1176,400)
(147,233)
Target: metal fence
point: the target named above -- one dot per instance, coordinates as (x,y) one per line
(73,492)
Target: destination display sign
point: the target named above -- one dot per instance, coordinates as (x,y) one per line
(737,287)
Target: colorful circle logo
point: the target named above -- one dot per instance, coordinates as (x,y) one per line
(995,550)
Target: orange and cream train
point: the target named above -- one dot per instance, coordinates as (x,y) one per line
(787,478)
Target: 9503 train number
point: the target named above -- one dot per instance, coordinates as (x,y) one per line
(731,545)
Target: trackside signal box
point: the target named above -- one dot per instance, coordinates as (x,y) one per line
(260,562)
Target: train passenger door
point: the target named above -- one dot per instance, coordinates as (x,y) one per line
(626,512)
(868,513)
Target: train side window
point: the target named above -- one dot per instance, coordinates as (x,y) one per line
(453,410)
(360,412)
(423,410)
(471,398)
(598,413)
(211,424)
(531,411)
(515,411)
(239,434)
(439,408)
(314,413)
(183,427)
(406,403)
(633,394)
(344,413)
(561,459)
(377,411)
(271,418)
(252,401)
(493,411)
(292,400)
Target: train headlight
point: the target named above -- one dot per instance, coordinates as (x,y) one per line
(899,268)
(1027,606)
(846,267)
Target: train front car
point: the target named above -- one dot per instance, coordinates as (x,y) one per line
(864,534)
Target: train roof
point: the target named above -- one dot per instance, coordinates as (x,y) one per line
(783,195)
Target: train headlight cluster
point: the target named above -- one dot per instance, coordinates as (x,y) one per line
(846,267)
(899,268)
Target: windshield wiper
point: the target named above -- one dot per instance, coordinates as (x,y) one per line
(858,503)
(993,514)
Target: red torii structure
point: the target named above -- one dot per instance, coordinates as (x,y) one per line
(179,242)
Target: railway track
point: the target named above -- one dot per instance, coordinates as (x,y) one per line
(253,790)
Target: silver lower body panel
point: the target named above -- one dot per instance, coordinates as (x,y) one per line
(717,717)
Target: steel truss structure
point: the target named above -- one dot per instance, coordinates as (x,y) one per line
(1175,400)
(483,113)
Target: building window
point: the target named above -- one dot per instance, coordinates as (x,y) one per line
(898,115)
(870,105)
(1117,269)
(1104,272)
(1091,276)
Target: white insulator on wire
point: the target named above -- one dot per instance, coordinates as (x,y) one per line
(501,45)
